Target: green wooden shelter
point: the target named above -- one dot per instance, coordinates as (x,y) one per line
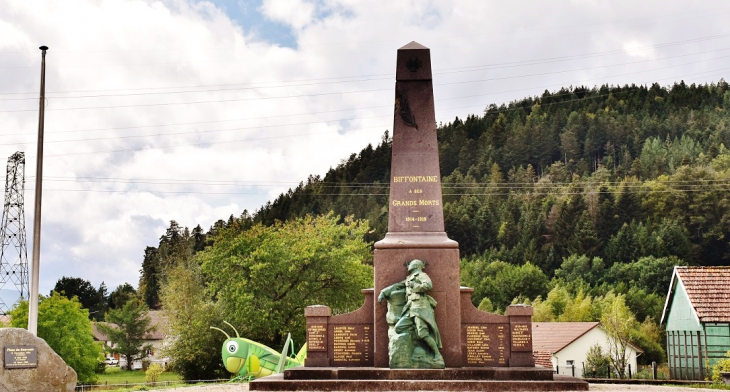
(696,317)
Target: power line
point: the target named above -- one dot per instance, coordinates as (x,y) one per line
(293,124)
(283,125)
(356,91)
(526,193)
(374,79)
(202,131)
(589,185)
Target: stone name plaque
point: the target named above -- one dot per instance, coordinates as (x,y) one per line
(317,337)
(521,337)
(352,345)
(486,345)
(21,357)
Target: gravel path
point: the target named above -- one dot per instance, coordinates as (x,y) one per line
(593,387)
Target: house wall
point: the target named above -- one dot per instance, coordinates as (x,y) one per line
(691,354)
(717,341)
(682,316)
(692,347)
(578,350)
(155,357)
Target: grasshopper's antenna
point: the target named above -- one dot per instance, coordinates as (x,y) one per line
(234,328)
(224,332)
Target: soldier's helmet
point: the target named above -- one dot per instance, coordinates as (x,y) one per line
(415,264)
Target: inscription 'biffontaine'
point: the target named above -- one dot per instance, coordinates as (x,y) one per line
(415,179)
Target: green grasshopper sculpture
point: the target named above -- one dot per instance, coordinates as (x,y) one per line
(249,359)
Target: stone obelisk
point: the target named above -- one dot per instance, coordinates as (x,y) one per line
(416,218)
(481,351)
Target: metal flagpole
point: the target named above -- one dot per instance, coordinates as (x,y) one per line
(33,300)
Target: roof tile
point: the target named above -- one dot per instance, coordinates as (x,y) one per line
(708,289)
(542,358)
(553,337)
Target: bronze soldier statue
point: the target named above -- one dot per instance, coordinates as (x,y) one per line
(417,314)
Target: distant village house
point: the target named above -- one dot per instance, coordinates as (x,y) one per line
(155,338)
(696,317)
(564,346)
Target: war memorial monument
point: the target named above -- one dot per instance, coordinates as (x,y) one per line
(417,329)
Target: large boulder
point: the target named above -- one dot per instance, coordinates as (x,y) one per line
(52,373)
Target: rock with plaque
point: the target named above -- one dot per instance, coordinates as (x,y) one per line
(29,364)
(479,350)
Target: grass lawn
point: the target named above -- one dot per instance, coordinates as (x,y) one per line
(113,375)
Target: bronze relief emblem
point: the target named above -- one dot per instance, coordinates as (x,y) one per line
(404,110)
(413,64)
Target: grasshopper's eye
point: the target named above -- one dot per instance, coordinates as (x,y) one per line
(232,346)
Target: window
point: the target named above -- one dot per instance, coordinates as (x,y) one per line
(569,362)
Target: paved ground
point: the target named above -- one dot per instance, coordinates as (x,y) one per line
(593,387)
(644,388)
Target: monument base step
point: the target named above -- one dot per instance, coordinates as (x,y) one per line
(384,379)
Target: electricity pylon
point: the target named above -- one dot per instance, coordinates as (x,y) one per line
(14,252)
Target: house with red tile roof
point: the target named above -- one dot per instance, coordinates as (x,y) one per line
(696,318)
(565,345)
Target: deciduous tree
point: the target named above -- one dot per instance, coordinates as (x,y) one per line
(619,323)
(263,278)
(65,326)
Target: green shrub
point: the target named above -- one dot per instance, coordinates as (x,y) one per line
(722,365)
(152,374)
(597,363)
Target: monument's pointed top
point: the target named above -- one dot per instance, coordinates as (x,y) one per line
(413,45)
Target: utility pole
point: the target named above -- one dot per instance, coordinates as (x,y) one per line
(33,300)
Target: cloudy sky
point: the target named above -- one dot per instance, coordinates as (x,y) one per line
(195,110)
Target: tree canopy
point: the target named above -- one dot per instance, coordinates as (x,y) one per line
(264,277)
(65,326)
(562,200)
(260,279)
(95,300)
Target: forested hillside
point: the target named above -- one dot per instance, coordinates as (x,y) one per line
(567,201)
(615,172)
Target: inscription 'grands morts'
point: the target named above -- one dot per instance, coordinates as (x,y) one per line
(413,203)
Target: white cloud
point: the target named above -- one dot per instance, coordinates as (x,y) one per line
(194,119)
(295,13)
(635,48)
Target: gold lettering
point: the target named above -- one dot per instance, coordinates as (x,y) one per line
(404,203)
(415,179)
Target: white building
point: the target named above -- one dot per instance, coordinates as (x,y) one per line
(567,345)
